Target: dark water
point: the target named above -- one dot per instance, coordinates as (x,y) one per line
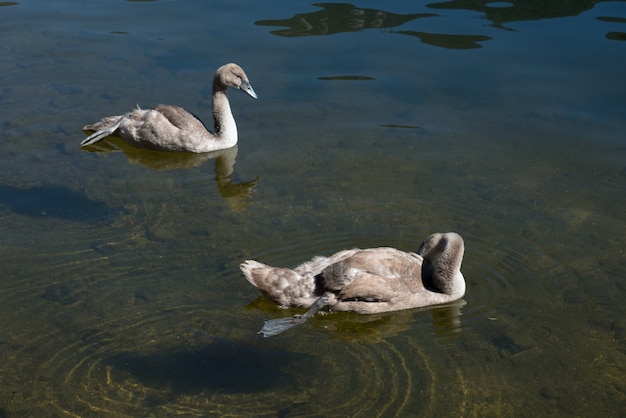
(377,123)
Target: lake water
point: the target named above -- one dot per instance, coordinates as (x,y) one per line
(377,123)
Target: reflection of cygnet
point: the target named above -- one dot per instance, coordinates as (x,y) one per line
(172,128)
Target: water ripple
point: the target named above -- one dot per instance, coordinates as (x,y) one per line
(143,363)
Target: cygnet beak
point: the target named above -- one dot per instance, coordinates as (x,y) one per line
(247,87)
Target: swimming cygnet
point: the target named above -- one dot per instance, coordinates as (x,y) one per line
(172,128)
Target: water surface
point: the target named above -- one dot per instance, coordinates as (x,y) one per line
(377,124)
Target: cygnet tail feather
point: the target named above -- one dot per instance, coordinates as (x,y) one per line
(281,285)
(250,268)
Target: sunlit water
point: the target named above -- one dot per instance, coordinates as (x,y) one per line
(377,124)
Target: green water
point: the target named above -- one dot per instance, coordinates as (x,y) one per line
(377,124)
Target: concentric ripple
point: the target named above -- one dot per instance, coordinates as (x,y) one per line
(142,362)
(162,349)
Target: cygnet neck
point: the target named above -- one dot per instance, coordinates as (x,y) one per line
(223,121)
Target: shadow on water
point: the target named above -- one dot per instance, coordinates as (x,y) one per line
(222,366)
(338,18)
(501,13)
(518,10)
(447,41)
(55,202)
(236,194)
(616,36)
(344,17)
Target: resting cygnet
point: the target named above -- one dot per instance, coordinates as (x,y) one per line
(366,281)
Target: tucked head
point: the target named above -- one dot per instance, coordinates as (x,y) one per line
(437,243)
(232,75)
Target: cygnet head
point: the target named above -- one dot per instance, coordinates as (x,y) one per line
(445,251)
(232,75)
